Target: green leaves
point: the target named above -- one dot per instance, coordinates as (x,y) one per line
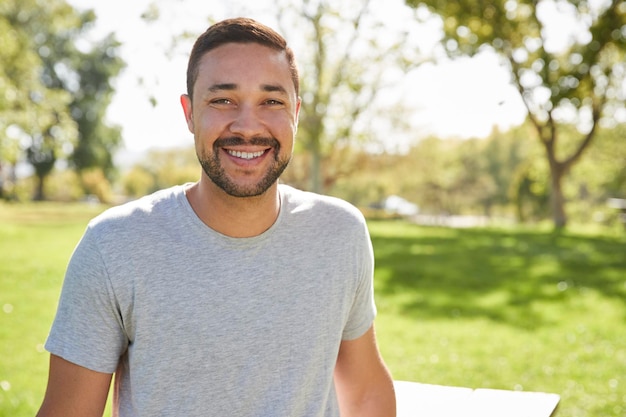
(567,60)
(53,92)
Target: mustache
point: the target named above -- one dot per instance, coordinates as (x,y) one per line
(237,141)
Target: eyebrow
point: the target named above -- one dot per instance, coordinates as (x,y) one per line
(220,87)
(270,88)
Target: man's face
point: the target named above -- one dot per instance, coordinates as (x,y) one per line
(244,117)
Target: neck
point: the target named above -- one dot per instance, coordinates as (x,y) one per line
(234,216)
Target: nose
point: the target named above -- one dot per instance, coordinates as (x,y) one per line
(247,122)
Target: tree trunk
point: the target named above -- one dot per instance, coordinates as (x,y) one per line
(39,189)
(557,199)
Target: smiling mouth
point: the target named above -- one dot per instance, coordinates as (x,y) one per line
(245,155)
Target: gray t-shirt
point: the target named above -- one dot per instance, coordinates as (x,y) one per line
(196,323)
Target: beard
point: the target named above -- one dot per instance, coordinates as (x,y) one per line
(212,167)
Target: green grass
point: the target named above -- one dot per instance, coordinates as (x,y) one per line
(517,310)
(510,309)
(35,244)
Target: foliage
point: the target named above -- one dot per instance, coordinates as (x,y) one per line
(138,181)
(344,66)
(575,83)
(161,169)
(504,152)
(600,176)
(97,141)
(502,176)
(56,88)
(35,110)
(605,167)
(372,180)
(95,184)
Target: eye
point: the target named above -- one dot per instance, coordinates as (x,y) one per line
(273,102)
(219,101)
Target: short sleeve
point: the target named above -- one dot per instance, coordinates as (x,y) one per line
(87,329)
(363,309)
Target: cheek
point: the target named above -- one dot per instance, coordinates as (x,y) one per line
(285,124)
(208,125)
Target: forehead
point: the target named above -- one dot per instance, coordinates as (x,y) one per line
(244,63)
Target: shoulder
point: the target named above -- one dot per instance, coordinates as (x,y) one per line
(319,208)
(135,213)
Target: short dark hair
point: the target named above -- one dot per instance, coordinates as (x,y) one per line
(238,30)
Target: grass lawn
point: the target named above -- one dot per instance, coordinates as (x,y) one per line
(35,244)
(510,309)
(517,310)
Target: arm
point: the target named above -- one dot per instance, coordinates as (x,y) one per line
(74,391)
(364,385)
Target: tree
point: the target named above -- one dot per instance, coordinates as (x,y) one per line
(600,177)
(349,57)
(505,153)
(15,64)
(28,106)
(576,83)
(50,84)
(161,168)
(97,141)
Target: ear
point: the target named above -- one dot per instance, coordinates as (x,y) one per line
(185,101)
(298,105)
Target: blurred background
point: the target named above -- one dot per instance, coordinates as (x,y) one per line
(509,112)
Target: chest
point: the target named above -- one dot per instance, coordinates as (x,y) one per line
(198,295)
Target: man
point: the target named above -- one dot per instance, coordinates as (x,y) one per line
(233,296)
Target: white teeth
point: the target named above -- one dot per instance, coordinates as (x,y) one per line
(245,155)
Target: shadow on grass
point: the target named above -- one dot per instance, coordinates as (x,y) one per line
(502,275)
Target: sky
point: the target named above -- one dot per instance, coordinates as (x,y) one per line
(462,98)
